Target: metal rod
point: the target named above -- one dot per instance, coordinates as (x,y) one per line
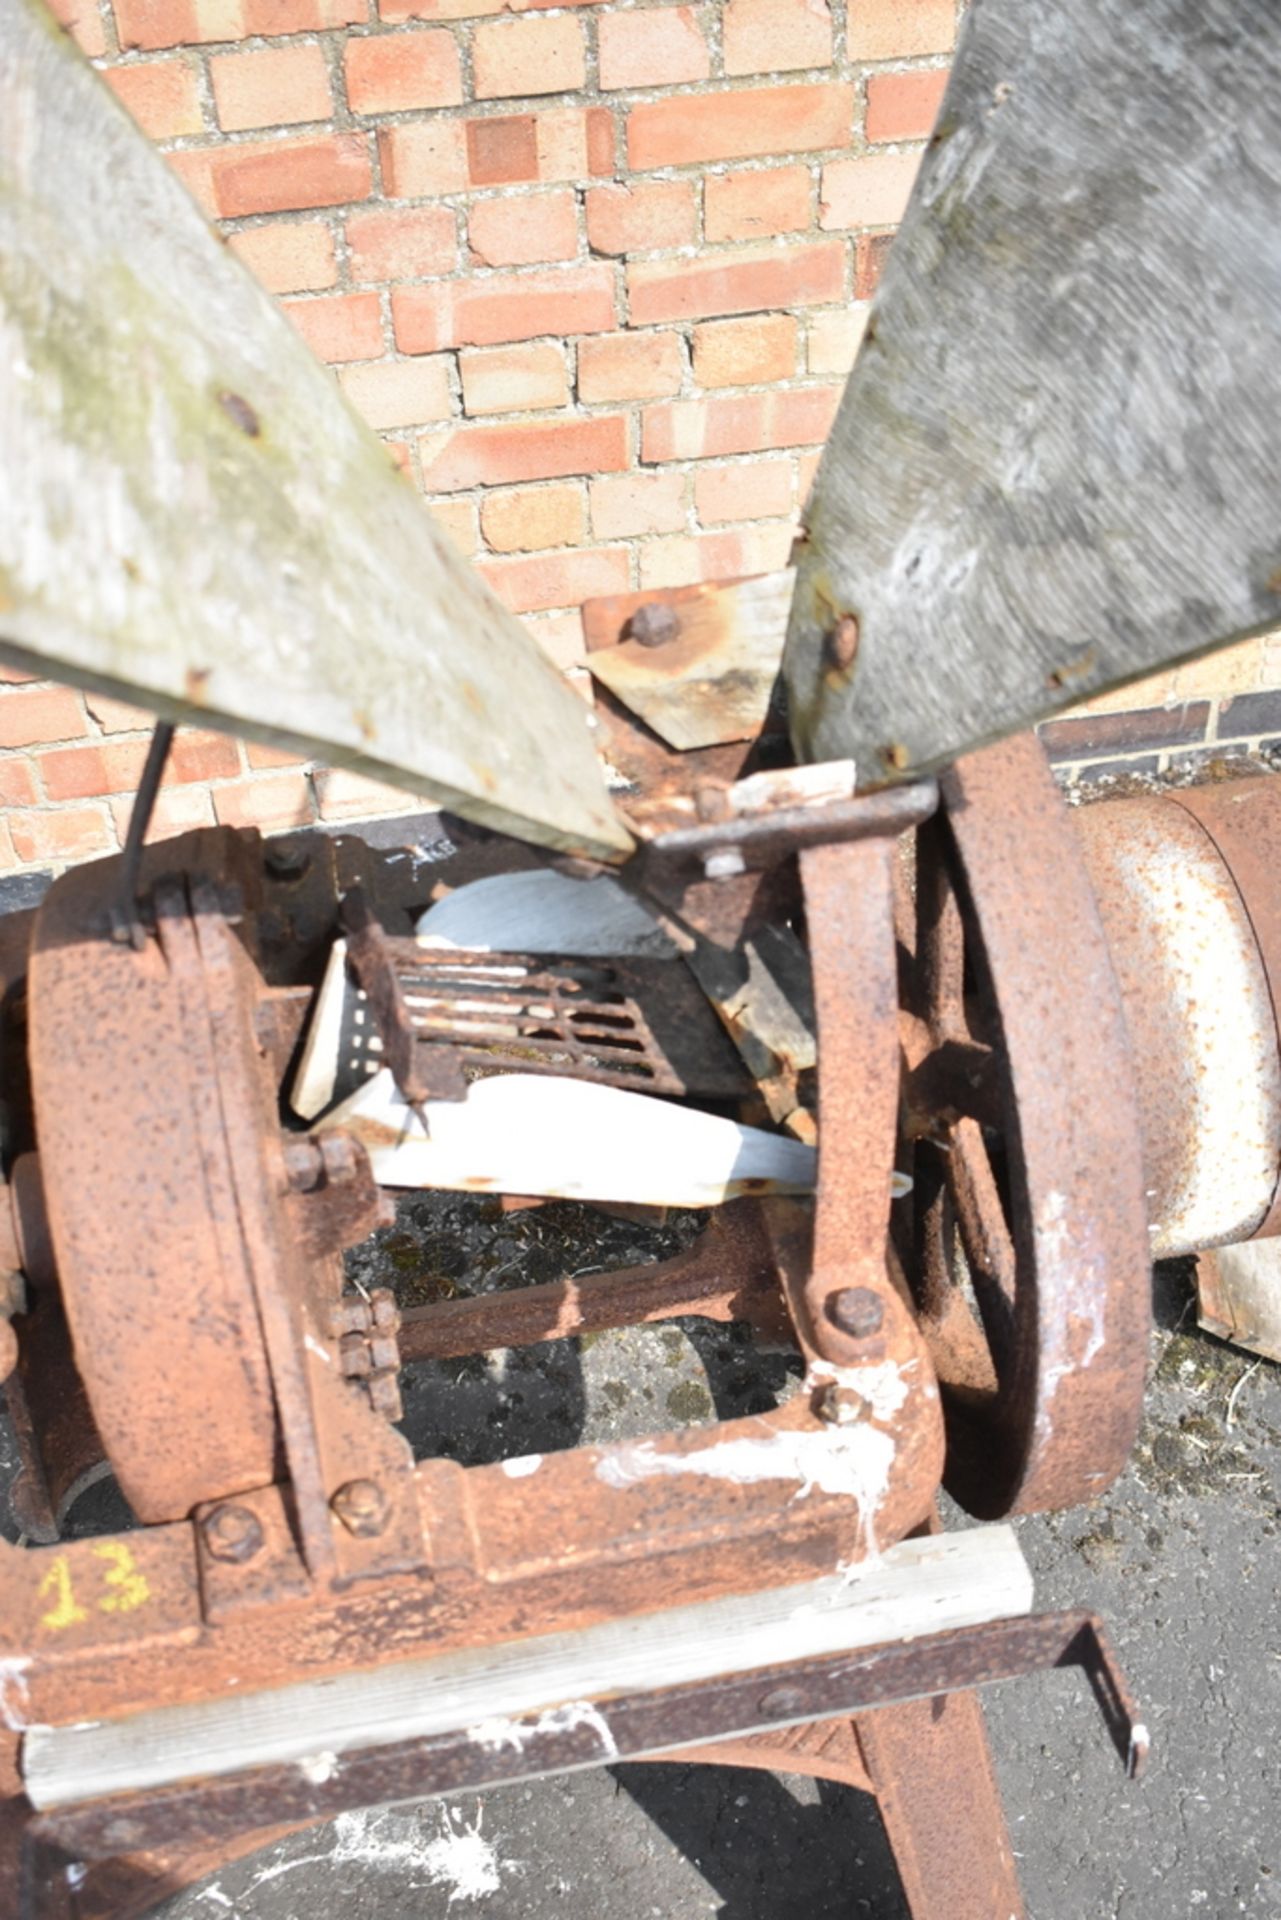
(126,925)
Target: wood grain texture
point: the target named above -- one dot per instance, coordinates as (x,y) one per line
(1054,466)
(191,515)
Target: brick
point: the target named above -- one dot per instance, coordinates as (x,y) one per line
(161,95)
(459,520)
(562,143)
(689,128)
(392,72)
(560,635)
(287,176)
(903,106)
(31,716)
(269,801)
(525,450)
(748,203)
(563,579)
(195,169)
(421,161)
(116,716)
(85,773)
(515,306)
(152,24)
(288,256)
(83,22)
(344,795)
(685,560)
(1247,714)
(629,366)
(755,490)
(62,833)
(807,465)
(747,280)
(771,36)
(834,338)
(870,191)
(897,29)
(514,379)
(628,504)
(466,9)
(400,393)
(745,353)
(339,326)
(521,230)
(1238,669)
(177,810)
(17,783)
(392,244)
(258,754)
(651,47)
(870,254)
(1114,732)
(642,217)
(737,423)
(271,87)
(518,57)
(11,676)
(528,519)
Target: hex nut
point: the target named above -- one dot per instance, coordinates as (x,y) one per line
(841,1406)
(231,1533)
(654,624)
(362,1507)
(858,1311)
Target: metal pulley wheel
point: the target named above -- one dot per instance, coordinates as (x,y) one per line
(1031,1260)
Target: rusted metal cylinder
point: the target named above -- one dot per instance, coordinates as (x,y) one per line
(1188,891)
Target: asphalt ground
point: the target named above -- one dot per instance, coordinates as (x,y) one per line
(1179,1557)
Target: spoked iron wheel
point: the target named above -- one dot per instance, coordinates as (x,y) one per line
(1031,1257)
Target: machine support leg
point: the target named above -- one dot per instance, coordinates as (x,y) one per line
(931,1771)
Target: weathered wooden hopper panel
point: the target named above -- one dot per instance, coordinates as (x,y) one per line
(192,516)
(1055,464)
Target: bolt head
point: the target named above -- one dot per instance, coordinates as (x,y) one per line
(232,1533)
(858,1311)
(841,642)
(654,624)
(726,863)
(780,1701)
(841,1406)
(362,1507)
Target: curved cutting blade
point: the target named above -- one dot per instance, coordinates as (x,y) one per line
(1055,465)
(191,516)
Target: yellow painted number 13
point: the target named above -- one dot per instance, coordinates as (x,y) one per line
(121,1588)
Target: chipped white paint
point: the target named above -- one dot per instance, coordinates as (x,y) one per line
(14,1703)
(542,911)
(77,1873)
(216,1897)
(520,1469)
(313,1346)
(1065,1244)
(457,1857)
(499,1732)
(855,1461)
(882,1385)
(319,1768)
(569,1139)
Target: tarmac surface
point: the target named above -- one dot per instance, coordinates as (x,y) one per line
(1180,1558)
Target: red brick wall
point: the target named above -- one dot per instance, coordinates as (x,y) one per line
(597,274)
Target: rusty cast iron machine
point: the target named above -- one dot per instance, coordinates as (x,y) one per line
(978,1058)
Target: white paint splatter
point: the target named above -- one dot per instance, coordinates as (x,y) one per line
(313,1346)
(319,1768)
(855,1461)
(14,1700)
(881,1385)
(499,1732)
(76,1874)
(217,1897)
(1064,1245)
(520,1469)
(459,1857)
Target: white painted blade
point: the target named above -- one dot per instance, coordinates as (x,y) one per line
(191,515)
(570,1140)
(918,1587)
(543,911)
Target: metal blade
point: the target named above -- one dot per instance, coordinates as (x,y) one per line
(1055,464)
(191,516)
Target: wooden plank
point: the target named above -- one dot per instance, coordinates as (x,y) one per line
(1054,465)
(192,517)
(918,1587)
(710,677)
